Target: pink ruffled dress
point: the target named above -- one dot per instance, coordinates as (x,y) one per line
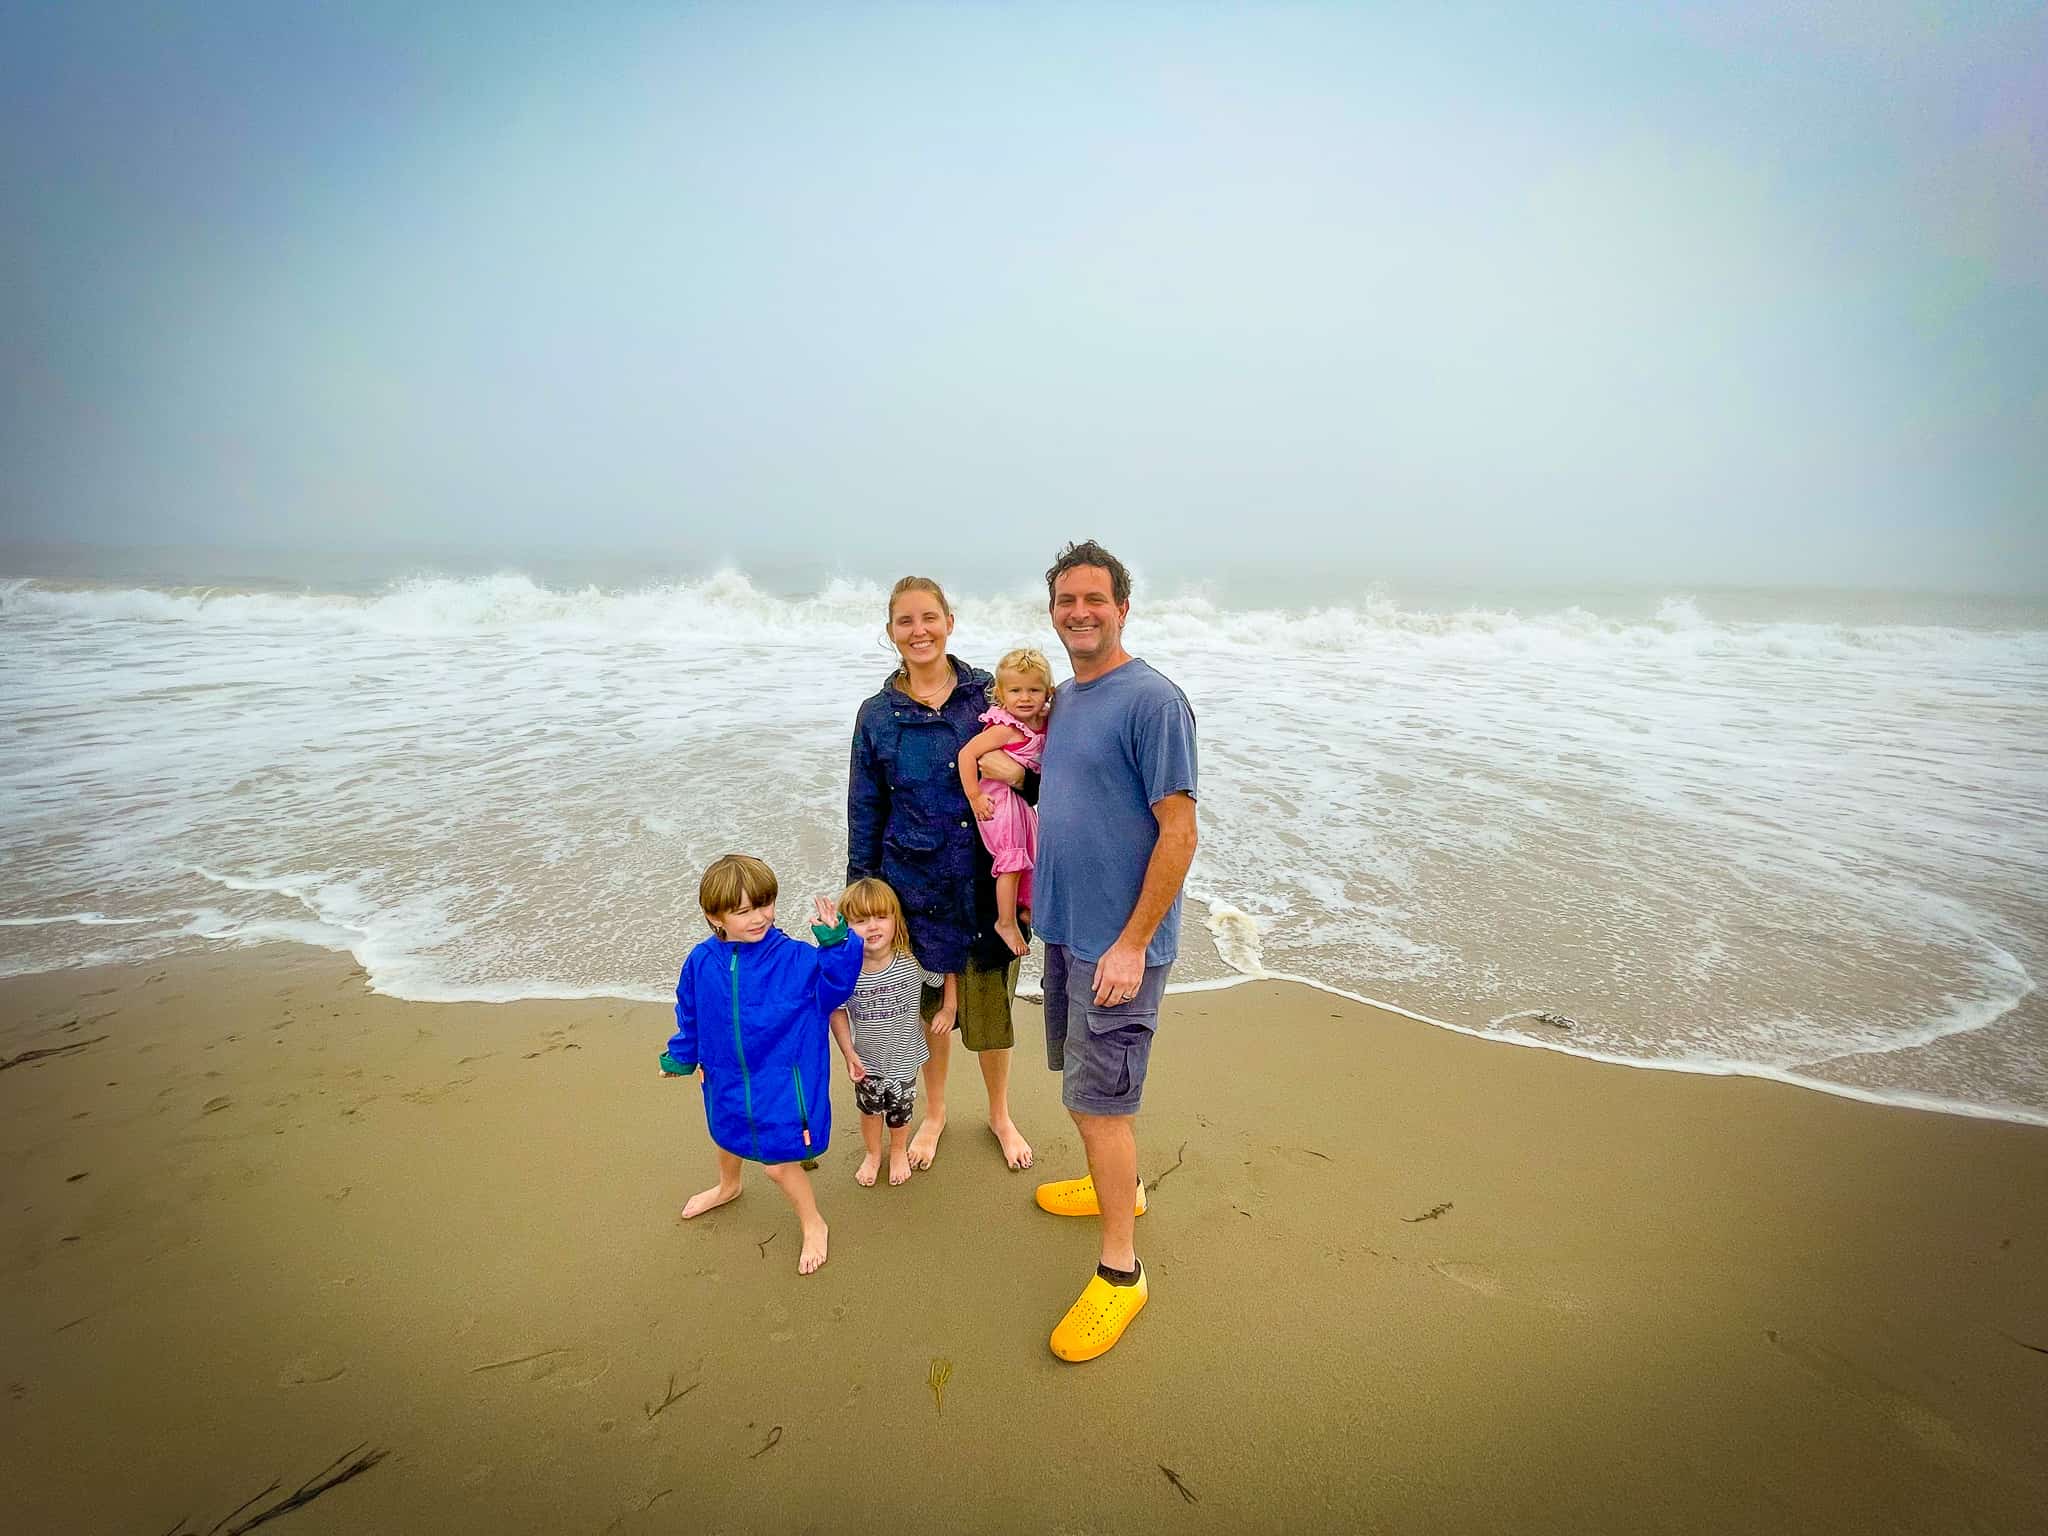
(1011,835)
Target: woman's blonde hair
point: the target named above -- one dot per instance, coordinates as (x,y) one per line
(735,880)
(1027,662)
(869,897)
(917,584)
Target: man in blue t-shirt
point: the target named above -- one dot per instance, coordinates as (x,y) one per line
(1116,833)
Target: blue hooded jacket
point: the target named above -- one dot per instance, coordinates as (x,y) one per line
(908,823)
(755,1016)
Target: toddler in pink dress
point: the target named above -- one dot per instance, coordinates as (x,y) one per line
(1020,699)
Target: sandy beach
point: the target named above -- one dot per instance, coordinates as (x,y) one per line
(262,1225)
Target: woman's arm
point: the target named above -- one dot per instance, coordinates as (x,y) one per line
(949,1004)
(969,760)
(867,810)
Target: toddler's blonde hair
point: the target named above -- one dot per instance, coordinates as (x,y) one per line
(869,897)
(1025,662)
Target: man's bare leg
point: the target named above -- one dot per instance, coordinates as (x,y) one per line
(1117,1291)
(924,1146)
(1111,1142)
(995,1075)
(726,1189)
(796,1184)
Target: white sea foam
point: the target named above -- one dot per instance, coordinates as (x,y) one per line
(1772,844)
(82,919)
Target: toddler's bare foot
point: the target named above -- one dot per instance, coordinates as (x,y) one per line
(1013,936)
(711,1199)
(924,1146)
(864,1175)
(899,1167)
(813,1257)
(1016,1150)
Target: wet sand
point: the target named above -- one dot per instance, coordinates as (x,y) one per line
(260,1223)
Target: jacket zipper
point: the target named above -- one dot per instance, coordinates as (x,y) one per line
(739,1050)
(802,1114)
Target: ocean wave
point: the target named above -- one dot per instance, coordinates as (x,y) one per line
(1770,843)
(849,611)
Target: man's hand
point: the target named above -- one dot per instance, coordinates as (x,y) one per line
(1119,974)
(1001,767)
(942,1021)
(984,807)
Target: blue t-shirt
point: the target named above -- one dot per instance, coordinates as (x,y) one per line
(1114,748)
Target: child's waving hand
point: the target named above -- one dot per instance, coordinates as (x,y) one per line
(827,909)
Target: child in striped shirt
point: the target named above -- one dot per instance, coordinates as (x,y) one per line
(879,1031)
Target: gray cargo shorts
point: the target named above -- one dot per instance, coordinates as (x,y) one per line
(1101,1053)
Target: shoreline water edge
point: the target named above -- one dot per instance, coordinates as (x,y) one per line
(1798,847)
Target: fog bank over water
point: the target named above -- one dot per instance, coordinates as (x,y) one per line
(1745,294)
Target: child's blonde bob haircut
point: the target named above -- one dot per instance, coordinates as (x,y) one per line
(1022,662)
(735,880)
(870,897)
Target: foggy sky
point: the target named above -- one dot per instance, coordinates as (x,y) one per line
(1708,293)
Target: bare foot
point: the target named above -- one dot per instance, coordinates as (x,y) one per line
(924,1146)
(1016,1150)
(1013,936)
(899,1167)
(710,1199)
(864,1175)
(813,1257)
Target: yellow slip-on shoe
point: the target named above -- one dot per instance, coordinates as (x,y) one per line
(1076,1197)
(1095,1322)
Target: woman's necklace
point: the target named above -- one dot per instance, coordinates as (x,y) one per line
(930,698)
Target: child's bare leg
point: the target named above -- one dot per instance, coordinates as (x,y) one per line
(1006,911)
(791,1179)
(871,1138)
(899,1154)
(727,1188)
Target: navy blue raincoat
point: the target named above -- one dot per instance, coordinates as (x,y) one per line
(908,823)
(755,1017)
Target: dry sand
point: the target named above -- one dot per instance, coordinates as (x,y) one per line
(264,1218)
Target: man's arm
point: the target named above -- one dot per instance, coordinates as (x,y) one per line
(1120,972)
(1001,766)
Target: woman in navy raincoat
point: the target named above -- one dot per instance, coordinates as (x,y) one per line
(908,823)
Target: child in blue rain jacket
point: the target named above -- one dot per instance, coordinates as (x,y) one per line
(753,1007)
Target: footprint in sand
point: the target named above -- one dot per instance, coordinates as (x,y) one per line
(575,1368)
(1303,1157)
(312,1368)
(1485,1280)
(1474,1277)
(433,1095)
(1908,1412)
